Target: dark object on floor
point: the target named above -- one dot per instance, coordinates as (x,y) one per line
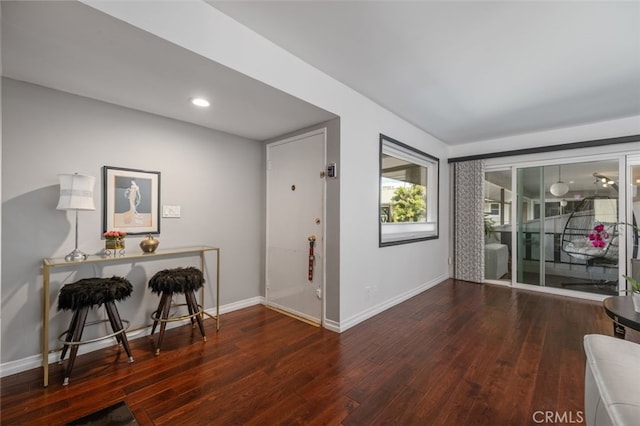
(177,280)
(117,414)
(83,295)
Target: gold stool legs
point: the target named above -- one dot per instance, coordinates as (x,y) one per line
(161,315)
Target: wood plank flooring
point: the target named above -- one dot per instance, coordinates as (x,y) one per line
(457,354)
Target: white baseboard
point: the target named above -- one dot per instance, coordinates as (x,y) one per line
(332,325)
(35,361)
(230,307)
(375,310)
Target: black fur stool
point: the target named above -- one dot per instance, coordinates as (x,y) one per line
(83,295)
(177,280)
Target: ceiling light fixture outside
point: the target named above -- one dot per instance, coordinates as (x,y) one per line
(201,102)
(559,188)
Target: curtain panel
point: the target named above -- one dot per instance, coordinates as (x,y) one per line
(469,220)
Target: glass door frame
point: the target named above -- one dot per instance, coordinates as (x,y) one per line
(560,158)
(626,232)
(504,168)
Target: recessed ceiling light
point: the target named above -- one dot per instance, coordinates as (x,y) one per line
(201,102)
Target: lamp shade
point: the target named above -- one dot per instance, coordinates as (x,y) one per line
(559,189)
(76,192)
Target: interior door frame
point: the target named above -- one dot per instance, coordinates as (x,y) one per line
(291,139)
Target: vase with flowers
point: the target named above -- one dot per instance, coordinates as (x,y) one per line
(114,241)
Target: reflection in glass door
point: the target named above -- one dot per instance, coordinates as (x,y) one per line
(567,226)
(497,225)
(632,231)
(528,234)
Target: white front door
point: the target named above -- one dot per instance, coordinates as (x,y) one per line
(295,215)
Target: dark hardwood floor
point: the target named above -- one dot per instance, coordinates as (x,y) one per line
(457,354)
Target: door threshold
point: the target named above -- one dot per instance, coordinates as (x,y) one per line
(298,317)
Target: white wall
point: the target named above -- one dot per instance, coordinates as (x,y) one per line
(588,132)
(390,273)
(217,179)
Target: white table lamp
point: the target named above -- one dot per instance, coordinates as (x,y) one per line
(76,193)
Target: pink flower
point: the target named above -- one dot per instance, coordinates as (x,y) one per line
(114,234)
(599,236)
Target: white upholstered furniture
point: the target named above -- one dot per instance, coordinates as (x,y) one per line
(612,381)
(496,258)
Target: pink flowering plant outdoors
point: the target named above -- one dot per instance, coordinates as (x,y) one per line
(112,235)
(599,236)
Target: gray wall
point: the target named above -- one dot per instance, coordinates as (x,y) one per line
(215,177)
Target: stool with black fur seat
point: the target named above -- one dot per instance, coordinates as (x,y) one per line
(83,295)
(178,280)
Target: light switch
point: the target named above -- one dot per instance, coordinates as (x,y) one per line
(169,210)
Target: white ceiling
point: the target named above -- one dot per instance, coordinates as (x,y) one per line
(74,48)
(468,71)
(462,71)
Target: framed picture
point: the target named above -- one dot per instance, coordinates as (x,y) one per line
(130,200)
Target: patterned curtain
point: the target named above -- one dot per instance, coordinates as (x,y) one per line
(469,220)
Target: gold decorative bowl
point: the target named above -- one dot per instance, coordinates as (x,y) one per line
(149,244)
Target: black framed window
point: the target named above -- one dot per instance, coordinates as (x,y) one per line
(408,206)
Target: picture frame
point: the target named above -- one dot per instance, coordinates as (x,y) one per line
(130,200)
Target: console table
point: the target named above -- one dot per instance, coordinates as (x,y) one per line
(127,257)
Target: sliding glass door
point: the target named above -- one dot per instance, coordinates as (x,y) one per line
(497,225)
(567,231)
(633,239)
(529,224)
